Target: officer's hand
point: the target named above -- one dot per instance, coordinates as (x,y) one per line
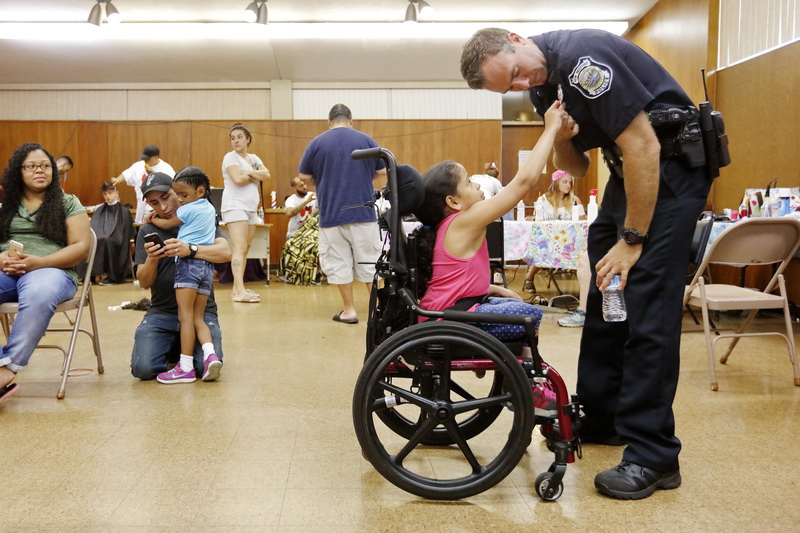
(619,260)
(569,128)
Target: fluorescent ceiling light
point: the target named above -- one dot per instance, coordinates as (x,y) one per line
(194,31)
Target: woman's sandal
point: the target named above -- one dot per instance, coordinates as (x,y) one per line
(7,391)
(247,298)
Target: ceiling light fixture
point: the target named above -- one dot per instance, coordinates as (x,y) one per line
(96,14)
(262,13)
(256,12)
(422,8)
(112,14)
(411,12)
(251,12)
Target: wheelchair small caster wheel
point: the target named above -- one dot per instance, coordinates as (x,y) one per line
(543,488)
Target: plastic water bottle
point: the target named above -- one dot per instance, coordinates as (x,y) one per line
(591,209)
(614,302)
(520,211)
(539,209)
(575,211)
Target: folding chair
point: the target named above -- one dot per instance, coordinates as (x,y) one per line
(755,241)
(702,230)
(82,299)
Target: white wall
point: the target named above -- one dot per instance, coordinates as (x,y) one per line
(233,102)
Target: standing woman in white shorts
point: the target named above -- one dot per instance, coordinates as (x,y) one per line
(242,173)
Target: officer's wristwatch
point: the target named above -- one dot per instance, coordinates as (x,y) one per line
(631,236)
(192,250)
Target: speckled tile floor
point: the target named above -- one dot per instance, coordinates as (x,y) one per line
(271,446)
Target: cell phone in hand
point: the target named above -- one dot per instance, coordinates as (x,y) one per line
(14,248)
(154,238)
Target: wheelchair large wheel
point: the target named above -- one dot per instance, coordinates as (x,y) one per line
(406,420)
(414,377)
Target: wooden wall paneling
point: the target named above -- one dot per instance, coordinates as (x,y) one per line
(758,100)
(89,151)
(675,32)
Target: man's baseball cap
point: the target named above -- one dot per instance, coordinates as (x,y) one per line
(157,181)
(151,150)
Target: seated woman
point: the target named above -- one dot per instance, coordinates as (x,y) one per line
(53,229)
(557,205)
(452,253)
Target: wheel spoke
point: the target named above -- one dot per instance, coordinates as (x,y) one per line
(410,397)
(461,391)
(452,428)
(415,439)
(482,403)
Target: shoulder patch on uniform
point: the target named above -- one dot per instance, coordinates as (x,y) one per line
(591,77)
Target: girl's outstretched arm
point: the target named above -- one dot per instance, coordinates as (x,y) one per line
(482,213)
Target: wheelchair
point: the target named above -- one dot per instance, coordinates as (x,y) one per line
(441,408)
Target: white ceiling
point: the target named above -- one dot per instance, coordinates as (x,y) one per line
(237,60)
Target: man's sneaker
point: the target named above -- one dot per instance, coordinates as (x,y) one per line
(544,401)
(529,286)
(176,375)
(575,320)
(211,368)
(629,481)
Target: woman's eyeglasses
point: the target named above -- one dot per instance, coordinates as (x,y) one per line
(30,167)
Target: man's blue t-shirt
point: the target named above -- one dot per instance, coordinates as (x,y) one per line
(199,222)
(340,180)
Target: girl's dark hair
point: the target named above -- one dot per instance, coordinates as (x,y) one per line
(440,182)
(51,217)
(240,126)
(195,177)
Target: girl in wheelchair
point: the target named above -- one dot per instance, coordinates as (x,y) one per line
(452,253)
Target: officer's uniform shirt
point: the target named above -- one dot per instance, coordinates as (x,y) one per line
(605,82)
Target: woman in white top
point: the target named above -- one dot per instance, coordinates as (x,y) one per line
(560,198)
(242,173)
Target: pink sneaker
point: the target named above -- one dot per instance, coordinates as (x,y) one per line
(544,401)
(211,368)
(176,375)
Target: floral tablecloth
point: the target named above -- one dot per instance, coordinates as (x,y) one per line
(548,244)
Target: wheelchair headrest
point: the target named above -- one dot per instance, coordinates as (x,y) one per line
(410,189)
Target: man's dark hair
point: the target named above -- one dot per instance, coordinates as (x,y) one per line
(340,112)
(485,43)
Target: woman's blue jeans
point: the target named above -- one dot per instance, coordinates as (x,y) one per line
(38,292)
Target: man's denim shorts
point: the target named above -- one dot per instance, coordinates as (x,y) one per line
(194,274)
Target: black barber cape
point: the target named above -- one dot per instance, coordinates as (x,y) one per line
(113,225)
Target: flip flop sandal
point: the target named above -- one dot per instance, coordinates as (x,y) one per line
(248,298)
(7,391)
(338,318)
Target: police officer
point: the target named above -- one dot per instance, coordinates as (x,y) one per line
(627,371)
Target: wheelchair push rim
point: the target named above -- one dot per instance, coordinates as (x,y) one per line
(429,353)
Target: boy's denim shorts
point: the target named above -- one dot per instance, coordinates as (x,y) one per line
(194,274)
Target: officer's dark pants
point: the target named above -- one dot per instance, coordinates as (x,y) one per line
(628,371)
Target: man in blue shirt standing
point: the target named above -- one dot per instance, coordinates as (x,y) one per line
(349,237)
(611,89)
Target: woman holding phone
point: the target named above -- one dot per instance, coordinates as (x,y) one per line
(243,173)
(43,234)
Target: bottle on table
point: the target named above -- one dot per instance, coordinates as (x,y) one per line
(614,309)
(591,209)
